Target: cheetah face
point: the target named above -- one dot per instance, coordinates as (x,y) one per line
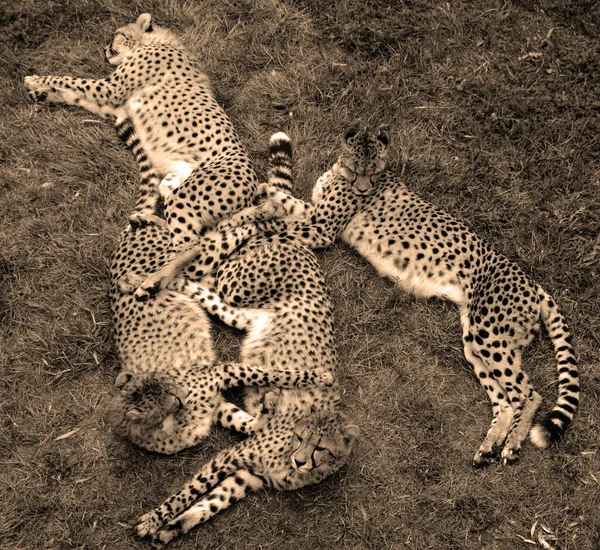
(144,401)
(363,159)
(128,38)
(322,443)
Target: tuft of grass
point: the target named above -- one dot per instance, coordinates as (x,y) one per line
(492,110)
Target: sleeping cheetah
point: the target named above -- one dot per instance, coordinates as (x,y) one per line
(292,447)
(303,437)
(170,387)
(182,129)
(428,252)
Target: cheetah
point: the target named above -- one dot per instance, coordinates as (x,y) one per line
(428,252)
(182,129)
(170,387)
(281,301)
(294,446)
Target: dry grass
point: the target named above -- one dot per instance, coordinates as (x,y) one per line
(493,112)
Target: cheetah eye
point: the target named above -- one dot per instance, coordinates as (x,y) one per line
(320,449)
(299,438)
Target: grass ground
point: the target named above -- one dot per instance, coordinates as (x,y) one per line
(493,112)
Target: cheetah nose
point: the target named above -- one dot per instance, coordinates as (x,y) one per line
(299,463)
(362,186)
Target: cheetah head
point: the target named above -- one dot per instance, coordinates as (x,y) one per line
(363,158)
(144,401)
(323,441)
(133,36)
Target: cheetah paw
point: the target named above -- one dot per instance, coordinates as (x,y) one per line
(324,377)
(129,283)
(510,455)
(484,458)
(165,535)
(138,220)
(39,91)
(263,192)
(148,525)
(145,292)
(273,207)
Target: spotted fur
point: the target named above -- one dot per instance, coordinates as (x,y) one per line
(281,301)
(182,129)
(314,225)
(428,252)
(170,388)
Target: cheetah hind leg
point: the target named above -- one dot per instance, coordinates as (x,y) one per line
(248,319)
(146,216)
(525,403)
(502,410)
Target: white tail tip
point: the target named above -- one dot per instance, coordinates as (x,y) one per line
(539,436)
(279,136)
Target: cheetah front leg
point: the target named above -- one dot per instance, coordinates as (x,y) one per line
(231,375)
(224,464)
(96,96)
(230,490)
(211,250)
(232,417)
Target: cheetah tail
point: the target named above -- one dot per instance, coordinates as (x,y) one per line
(553,427)
(280,162)
(149,200)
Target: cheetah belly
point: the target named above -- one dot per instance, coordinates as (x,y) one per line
(166,155)
(412,278)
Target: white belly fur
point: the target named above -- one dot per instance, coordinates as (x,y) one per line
(410,279)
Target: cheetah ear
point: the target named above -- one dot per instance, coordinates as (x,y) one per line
(134,414)
(122,379)
(350,134)
(383,138)
(351,431)
(144,22)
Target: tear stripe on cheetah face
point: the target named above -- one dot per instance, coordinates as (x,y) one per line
(290,450)
(182,129)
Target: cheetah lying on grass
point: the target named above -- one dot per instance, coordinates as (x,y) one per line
(181,128)
(428,252)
